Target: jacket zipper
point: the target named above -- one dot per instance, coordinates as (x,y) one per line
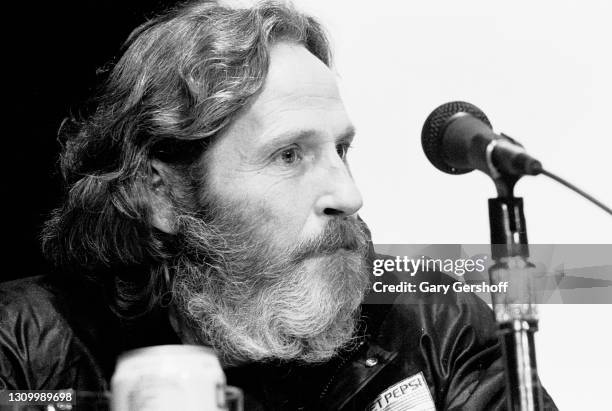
(338,368)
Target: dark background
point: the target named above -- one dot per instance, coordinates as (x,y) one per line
(53,51)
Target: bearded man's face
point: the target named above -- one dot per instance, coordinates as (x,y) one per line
(273,263)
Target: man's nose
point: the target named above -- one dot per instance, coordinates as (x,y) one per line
(339,196)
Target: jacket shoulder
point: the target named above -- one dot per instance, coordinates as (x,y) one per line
(38,345)
(29,309)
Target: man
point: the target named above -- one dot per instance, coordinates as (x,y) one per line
(209,201)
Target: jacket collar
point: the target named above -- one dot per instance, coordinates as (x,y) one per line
(362,364)
(355,374)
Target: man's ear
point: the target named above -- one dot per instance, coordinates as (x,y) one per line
(162,212)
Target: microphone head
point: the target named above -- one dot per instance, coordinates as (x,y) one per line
(432,134)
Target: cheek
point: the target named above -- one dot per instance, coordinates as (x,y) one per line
(287,208)
(281,207)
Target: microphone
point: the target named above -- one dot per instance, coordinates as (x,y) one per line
(457,138)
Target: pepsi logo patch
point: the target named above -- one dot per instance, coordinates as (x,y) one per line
(409,394)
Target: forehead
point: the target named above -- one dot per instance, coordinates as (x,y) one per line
(296,80)
(300,93)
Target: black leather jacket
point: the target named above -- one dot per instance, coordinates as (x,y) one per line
(55,334)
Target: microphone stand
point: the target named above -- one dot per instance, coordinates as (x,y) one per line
(515,310)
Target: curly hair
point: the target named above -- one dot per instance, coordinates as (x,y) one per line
(182,78)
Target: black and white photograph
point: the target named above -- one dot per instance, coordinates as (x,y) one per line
(307,205)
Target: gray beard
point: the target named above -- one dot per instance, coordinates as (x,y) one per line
(250,302)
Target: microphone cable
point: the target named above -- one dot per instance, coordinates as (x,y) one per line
(577,190)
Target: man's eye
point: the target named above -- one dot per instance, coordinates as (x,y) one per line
(342,149)
(289,155)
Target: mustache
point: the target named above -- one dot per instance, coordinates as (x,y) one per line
(347,234)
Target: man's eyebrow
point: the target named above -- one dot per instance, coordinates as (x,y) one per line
(295,135)
(347,135)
